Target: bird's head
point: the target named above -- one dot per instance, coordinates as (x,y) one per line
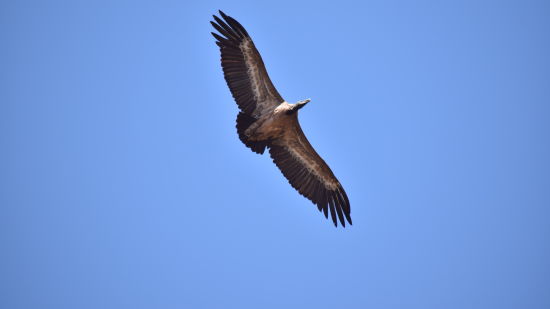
(296,106)
(302,103)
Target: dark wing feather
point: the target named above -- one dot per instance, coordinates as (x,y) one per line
(308,173)
(244,68)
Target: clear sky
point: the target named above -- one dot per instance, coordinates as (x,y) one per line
(123,183)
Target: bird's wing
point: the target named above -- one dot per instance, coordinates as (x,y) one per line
(308,173)
(243,68)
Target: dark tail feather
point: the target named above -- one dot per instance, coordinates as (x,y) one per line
(243,122)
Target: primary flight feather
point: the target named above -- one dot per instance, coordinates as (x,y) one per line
(266,120)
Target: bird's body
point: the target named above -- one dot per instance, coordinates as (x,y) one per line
(266,120)
(272,125)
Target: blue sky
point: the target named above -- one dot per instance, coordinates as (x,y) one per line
(123,183)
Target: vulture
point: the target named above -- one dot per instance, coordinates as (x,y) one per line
(267,121)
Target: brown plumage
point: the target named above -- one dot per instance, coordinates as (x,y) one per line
(266,120)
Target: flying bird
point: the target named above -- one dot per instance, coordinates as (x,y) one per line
(266,120)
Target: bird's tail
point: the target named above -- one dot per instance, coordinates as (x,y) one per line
(243,122)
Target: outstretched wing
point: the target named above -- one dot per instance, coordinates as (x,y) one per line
(308,173)
(243,68)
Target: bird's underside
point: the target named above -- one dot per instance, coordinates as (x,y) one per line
(266,120)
